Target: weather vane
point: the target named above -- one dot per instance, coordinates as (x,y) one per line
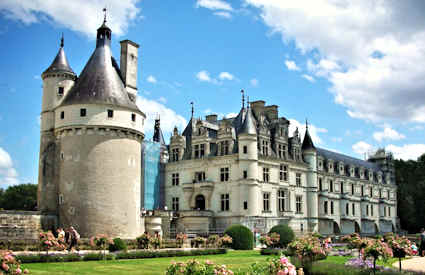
(104,15)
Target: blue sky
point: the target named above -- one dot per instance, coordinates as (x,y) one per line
(355,70)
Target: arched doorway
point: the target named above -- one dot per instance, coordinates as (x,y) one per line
(336,228)
(200,202)
(356,227)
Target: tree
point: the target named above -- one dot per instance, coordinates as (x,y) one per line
(19,197)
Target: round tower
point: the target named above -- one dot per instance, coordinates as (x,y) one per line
(309,153)
(58,78)
(100,130)
(248,161)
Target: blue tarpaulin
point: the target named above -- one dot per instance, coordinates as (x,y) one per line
(151,177)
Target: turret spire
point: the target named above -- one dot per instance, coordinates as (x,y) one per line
(193,110)
(243,98)
(62,44)
(104,15)
(307,142)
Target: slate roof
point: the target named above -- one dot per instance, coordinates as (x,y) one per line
(59,64)
(248,125)
(307,142)
(347,160)
(100,81)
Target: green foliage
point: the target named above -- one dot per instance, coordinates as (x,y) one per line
(98,257)
(285,232)
(117,245)
(410,179)
(242,237)
(19,197)
(168,253)
(325,268)
(49,258)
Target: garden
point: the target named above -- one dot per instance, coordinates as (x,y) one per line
(229,253)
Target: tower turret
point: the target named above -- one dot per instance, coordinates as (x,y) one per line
(58,79)
(100,131)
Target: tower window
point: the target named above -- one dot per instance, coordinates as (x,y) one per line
(110,113)
(133,117)
(245,149)
(83,112)
(245,205)
(60,91)
(320,184)
(332,207)
(62,115)
(325,207)
(245,174)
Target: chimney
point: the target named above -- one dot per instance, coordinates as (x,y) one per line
(128,65)
(271,112)
(211,118)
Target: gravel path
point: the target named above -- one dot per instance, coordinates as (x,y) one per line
(416,264)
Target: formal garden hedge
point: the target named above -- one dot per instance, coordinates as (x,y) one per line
(140,254)
(242,237)
(285,232)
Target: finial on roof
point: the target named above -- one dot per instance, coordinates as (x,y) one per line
(306,124)
(104,15)
(191,103)
(62,41)
(247,102)
(243,98)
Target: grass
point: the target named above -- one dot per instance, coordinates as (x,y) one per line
(235,260)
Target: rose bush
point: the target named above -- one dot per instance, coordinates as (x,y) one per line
(9,265)
(194,267)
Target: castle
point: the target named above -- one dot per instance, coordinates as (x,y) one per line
(95,174)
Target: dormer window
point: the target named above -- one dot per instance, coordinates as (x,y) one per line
(61,91)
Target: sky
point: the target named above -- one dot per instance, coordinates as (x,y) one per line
(354,69)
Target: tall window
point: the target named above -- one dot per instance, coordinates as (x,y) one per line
(299,204)
(320,184)
(362,190)
(225,202)
(175,154)
(282,151)
(367,209)
(265,147)
(332,207)
(175,204)
(283,172)
(331,186)
(266,174)
(199,176)
(245,174)
(282,199)
(342,187)
(352,189)
(385,211)
(325,207)
(370,192)
(347,209)
(60,91)
(353,209)
(266,201)
(175,179)
(224,174)
(389,211)
(245,149)
(298,179)
(224,147)
(202,150)
(371,210)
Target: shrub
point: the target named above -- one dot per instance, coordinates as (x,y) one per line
(285,232)
(9,265)
(242,237)
(195,267)
(98,257)
(225,241)
(213,240)
(143,241)
(117,245)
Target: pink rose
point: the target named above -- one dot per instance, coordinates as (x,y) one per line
(284,260)
(4,266)
(18,271)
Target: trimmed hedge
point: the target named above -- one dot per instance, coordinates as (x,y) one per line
(320,268)
(117,245)
(285,232)
(242,237)
(122,255)
(275,251)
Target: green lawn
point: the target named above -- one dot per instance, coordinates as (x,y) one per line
(233,259)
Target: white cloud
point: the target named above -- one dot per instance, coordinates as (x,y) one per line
(291,65)
(214,5)
(151,79)
(8,174)
(230,115)
(78,15)
(312,129)
(362,148)
(389,134)
(407,151)
(254,82)
(225,76)
(169,118)
(162,100)
(204,76)
(223,14)
(374,67)
(308,77)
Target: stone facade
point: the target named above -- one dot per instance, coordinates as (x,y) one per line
(248,170)
(24,225)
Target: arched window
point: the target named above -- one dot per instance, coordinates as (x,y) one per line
(200,202)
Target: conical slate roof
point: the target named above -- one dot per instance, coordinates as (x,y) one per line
(100,81)
(60,63)
(307,142)
(248,126)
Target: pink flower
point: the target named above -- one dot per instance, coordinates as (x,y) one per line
(4,266)
(18,271)
(280,272)
(284,260)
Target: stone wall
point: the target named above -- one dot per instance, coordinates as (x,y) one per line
(24,225)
